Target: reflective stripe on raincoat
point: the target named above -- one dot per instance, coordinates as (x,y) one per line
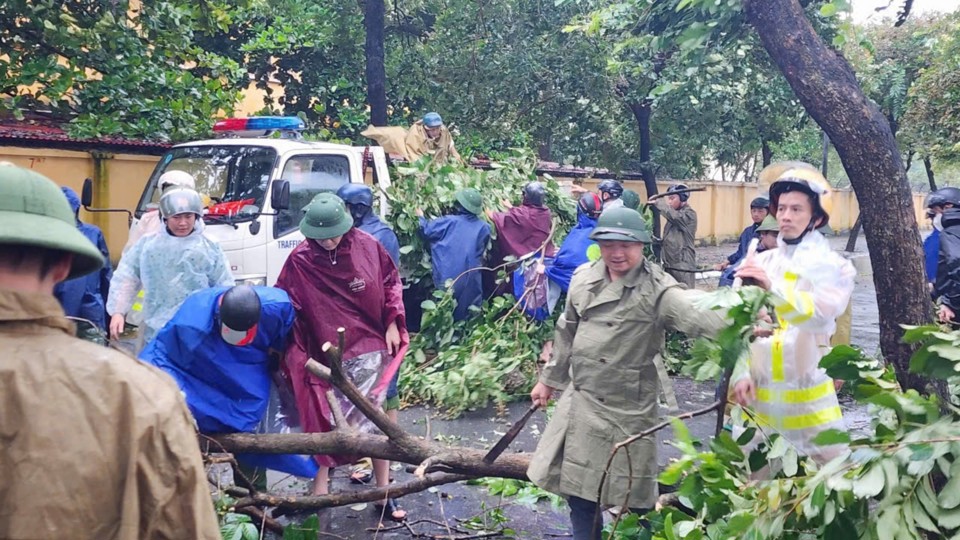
(811,286)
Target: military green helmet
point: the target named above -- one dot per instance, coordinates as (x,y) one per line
(631,199)
(470,199)
(34,212)
(326,217)
(623,224)
(769,224)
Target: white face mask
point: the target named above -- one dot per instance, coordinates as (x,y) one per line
(938,222)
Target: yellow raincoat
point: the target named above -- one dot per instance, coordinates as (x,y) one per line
(413,144)
(95,445)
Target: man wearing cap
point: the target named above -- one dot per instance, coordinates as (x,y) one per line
(85,297)
(610,192)
(457,244)
(96,445)
(617,310)
(679,233)
(338,277)
(783,386)
(170,265)
(359,201)
(430,137)
(759,209)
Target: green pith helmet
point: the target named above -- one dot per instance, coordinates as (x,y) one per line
(471,200)
(769,224)
(624,224)
(631,199)
(326,217)
(34,212)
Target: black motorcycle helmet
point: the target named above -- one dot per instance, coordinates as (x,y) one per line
(611,187)
(760,202)
(590,204)
(678,187)
(534,193)
(240,308)
(944,196)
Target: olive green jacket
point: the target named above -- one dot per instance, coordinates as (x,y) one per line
(603,359)
(676,250)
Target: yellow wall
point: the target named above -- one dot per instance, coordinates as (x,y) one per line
(126,176)
(722,210)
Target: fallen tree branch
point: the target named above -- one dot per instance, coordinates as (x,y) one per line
(353,497)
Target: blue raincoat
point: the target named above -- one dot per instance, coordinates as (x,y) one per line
(931,253)
(457,244)
(85,297)
(227,387)
(372,225)
(573,252)
(748,234)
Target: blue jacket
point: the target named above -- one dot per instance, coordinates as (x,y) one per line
(85,297)
(573,252)
(372,225)
(227,387)
(748,234)
(931,251)
(457,244)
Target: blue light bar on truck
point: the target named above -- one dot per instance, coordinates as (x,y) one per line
(259,123)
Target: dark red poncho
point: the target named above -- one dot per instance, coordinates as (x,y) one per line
(361,293)
(522,230)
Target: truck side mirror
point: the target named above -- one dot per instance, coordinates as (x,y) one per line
(280,195)
(86,195)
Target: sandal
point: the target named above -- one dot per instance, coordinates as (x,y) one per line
(390,510)
(361,476)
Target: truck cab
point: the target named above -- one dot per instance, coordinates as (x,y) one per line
(248,179)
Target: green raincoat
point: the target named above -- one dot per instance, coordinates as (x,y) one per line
(679,232)
(603,359)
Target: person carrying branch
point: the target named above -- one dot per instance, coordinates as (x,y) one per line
(341,276)
(810,286)
(96,446)
(679,233)
(612,327)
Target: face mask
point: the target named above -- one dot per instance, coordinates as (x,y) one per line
(938,222)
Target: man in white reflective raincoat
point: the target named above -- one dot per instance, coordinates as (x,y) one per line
(783,384)
(170,265)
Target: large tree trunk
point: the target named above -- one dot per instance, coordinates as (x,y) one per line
(642,110)
(766,153)
(827,88)
(373,23)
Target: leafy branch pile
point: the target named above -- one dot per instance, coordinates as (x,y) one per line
(899,481)
(431,188)
(466,364)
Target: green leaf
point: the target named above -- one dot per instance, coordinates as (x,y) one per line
(870,483)
(828,10)
(406,249)
(831,436)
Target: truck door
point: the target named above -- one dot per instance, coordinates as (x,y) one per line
(308,174)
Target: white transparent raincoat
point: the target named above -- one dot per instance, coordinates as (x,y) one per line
(169,269)
(811,286)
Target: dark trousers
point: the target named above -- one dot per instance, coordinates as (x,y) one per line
(582,514)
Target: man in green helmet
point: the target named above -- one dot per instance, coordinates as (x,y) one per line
(603,362)
(96,445)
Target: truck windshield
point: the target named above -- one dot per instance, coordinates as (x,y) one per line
(234,178)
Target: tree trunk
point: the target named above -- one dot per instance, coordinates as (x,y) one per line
(827,88)
(929,168)
(373,23)
(642,111)
(766,153)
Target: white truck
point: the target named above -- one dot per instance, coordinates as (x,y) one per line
(259,185)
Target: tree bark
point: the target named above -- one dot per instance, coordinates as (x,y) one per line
(827,88)
(376,73)
(929,168)
(642,110)
(766,153)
